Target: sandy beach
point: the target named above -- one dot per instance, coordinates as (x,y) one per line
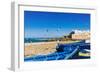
(42,48)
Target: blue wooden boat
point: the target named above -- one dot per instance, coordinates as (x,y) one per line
(64,51)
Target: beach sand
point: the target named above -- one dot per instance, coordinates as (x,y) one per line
(42,48)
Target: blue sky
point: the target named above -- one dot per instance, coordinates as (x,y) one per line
(53,24)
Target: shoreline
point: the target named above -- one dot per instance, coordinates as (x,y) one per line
(53,42)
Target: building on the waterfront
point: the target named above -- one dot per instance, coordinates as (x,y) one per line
(81,35)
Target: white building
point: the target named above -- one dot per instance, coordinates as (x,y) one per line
(81,35)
